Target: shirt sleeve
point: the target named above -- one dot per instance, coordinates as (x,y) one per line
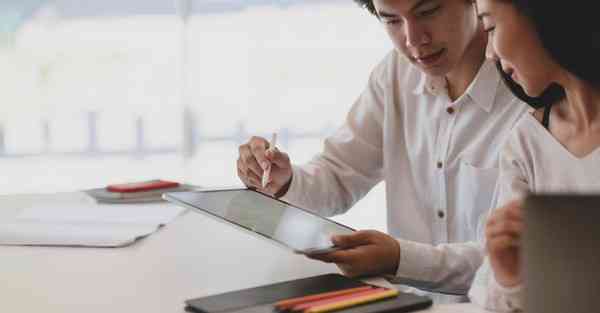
(513,184)
(352,158)
(489,294)
(445,268)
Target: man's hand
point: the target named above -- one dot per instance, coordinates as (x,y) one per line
(364,253)
(254,159)
(503,234)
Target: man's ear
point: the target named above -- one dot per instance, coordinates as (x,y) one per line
(473,4)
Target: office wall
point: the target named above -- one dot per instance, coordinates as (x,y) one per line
(126,90)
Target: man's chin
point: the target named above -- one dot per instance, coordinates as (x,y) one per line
(433,71)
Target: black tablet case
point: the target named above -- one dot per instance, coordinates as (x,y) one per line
(262,299)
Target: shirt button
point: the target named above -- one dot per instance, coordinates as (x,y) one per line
(441,214)
(510,304)
(450,110)
(440,164)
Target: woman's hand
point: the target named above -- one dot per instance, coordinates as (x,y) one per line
(503,243)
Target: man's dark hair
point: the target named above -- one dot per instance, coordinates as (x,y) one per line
(367,4)
(571,35)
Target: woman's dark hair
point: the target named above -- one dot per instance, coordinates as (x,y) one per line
(367,4)
(570,32)
(550,96)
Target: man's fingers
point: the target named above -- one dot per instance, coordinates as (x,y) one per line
(255,180)
(363,253)
(250,179)
(338,257)
(324,257)
(241,171)
(255,169)
(280,159)
(258,147)
(252,165)
(249,161)
(359,238)
(247,176)
(348,261)
(348,270)
(241,167)
(271,188)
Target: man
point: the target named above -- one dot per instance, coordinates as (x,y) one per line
(430,123)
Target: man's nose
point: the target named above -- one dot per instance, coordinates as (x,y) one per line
(416,35)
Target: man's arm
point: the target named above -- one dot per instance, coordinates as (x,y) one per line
(351,161)
(447,268)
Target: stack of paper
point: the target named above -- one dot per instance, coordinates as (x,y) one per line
(86,225)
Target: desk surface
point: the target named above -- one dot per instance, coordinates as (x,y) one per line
(192,256)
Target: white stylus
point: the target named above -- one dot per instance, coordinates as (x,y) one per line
(266,178)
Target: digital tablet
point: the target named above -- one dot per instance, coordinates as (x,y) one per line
(298,229)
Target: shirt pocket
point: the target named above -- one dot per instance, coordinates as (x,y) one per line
(477,187)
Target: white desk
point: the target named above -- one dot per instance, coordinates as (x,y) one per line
(191,257)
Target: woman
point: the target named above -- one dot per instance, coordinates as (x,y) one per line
(552,50)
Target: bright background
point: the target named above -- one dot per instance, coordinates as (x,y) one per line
(95,92)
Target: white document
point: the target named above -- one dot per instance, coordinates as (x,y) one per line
(86,225)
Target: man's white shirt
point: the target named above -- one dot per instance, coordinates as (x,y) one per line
(438,158)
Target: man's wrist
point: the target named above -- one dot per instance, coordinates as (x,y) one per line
(395,260)
(284,189)
(415,260)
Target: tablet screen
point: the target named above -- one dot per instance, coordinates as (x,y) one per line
(293,227)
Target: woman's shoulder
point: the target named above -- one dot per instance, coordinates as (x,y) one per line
(525,136)
(529,125)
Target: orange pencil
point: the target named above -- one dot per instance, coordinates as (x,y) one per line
(288,304)
(352,302)
(311,304)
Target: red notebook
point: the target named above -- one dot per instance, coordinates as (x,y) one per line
(142,186)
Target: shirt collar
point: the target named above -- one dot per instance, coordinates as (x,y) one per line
(485,85)
(434,85)
(482,90)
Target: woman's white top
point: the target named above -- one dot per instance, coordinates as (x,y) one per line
(532,161)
